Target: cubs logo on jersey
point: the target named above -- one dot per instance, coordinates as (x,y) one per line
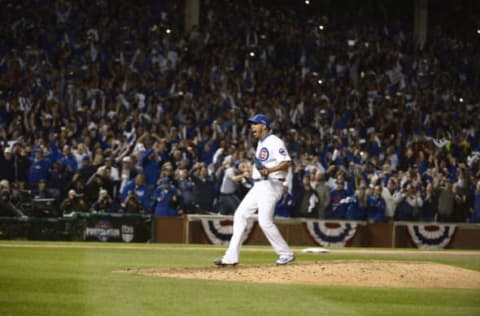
(263,154)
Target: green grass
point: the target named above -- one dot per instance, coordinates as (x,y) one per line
(76,279)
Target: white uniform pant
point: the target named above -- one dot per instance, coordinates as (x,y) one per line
(263,196)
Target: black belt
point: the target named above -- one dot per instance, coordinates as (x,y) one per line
(279,180)
(227,193)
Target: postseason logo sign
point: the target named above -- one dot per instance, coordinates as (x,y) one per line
(102,231)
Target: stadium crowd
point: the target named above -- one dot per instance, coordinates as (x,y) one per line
(112,106)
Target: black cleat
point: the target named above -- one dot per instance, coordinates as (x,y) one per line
(219,262)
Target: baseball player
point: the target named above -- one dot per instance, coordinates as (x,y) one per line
(271,165)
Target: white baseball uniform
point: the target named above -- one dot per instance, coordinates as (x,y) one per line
(263,197)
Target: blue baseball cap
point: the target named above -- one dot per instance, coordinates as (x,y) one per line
(260,119)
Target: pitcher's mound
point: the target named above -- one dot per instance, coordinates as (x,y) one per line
(350,273)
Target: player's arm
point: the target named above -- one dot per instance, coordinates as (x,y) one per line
(282,166)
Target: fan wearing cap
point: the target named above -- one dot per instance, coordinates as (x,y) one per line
(136,186)
(269,173)
(165,198)
(39,167)
(338,200)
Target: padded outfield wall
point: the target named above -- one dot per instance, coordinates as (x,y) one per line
(209,229)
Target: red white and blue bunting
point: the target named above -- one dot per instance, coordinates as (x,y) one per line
(429,236)
(331,233)
(220,230)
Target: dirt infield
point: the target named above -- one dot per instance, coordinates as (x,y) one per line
(340,272)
